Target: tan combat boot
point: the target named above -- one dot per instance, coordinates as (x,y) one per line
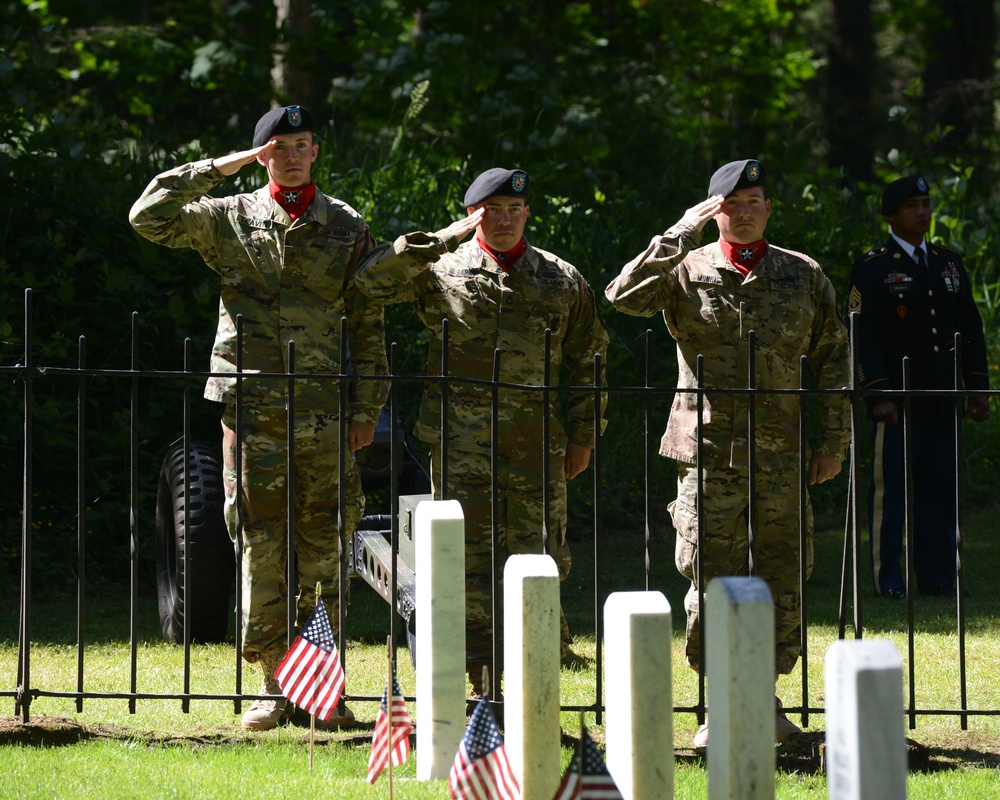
(343,717)
(783,726)
(266,714)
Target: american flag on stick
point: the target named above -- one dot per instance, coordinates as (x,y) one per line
(401,730)
(481,770)
(588,779)
(310,674)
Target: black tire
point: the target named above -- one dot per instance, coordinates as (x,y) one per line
(212,560)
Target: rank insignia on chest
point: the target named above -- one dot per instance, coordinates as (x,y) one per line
(901,312)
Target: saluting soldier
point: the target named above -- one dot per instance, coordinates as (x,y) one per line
(499,293)
(286,255)
(711,297)
(912,296)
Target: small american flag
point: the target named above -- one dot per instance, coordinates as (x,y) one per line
(401,729)
(481,770)
(593,782)
(310,674)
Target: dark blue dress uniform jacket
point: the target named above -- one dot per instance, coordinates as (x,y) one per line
(906,310)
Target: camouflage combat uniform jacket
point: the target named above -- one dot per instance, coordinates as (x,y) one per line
(490,309)
(291,281)
(709,309)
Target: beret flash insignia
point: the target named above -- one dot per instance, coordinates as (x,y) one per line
(294,114)
(518,181)
(753,171)
(921,184)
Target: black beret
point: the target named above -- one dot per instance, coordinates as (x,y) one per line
(291,119)
(498,182)
(737,175)
(897,191)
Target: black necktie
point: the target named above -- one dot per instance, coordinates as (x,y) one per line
(921,258)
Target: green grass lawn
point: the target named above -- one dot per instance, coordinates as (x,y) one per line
(161,751)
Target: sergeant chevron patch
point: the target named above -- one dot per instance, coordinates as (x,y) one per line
(854,301)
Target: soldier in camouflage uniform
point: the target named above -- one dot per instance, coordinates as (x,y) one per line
(499,293)
(711,297)
(286,255)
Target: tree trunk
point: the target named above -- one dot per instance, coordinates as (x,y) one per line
(292,72)
(850,124)
(959,74)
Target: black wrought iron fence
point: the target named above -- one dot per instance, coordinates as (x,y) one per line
(197,607)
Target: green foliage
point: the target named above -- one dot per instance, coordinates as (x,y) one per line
(619,110)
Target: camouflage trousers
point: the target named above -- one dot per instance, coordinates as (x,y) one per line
(520,500)
(773,555)
(264,557)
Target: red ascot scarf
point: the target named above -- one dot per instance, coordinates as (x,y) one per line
(294,201)
(504,258)
(744,256)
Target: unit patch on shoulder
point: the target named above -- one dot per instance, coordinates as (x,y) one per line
(854,301)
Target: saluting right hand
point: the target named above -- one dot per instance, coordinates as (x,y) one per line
(705,210)
(461,228)
(234,162)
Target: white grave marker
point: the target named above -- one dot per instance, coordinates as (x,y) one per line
(640,730)
(531,672)
(740,659)
(865,742)
(440,660)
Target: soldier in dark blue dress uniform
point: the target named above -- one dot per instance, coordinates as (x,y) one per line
(912,296)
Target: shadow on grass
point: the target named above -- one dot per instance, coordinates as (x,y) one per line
(802,754)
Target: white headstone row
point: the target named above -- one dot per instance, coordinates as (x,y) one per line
(865,745)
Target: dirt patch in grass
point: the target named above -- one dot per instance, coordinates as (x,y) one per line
(802,754)
(60,731)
